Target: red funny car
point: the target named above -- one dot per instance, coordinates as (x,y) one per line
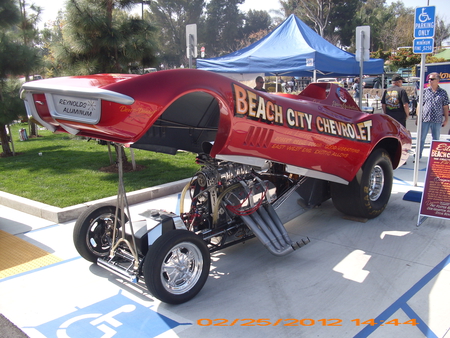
(266,158)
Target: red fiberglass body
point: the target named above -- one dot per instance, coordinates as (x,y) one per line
(319,133)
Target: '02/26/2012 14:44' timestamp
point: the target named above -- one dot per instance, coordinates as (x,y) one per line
(298,322)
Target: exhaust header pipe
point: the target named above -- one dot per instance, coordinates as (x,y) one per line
(267,226)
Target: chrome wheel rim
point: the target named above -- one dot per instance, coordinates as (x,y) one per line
(181,268)
(99,236)
(376,183)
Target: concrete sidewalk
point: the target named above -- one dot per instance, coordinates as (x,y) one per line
(350,275)
(383,278)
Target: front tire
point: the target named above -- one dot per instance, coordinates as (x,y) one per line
(93,231)
(368,193)
(176,266)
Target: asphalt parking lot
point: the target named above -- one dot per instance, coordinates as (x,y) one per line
(382,278)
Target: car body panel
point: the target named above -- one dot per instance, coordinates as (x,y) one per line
(320,133)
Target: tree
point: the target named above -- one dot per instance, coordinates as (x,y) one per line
(9,13)
(222,26)
(400,32)
(15,59)
(380,54)
(442,31)
(403,34)
(28,30)
(252,38)
(51,40)
(334,20)
(257,25)
(171,18)
(289,7)
(11,106)
(100,37)
(405,58)
(374,14)
(256,21)
(341,28)
(312,12)
(390,27)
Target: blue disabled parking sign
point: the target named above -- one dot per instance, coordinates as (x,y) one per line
(424,22)
(423,46)
(424,28)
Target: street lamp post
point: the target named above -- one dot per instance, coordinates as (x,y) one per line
(144,2)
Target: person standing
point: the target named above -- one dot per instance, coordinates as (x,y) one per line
(259,84)
(355,87)
(395,102)
(434,110)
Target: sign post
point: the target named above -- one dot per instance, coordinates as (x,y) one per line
(424,27)
(191,42)
(362,54)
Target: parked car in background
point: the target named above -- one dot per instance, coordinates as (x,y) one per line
(372,82)
(149,70)
(405,72)
(331,80)
(31,78)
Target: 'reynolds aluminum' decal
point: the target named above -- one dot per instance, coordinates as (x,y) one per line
(76,109)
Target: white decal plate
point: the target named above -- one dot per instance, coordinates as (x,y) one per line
(76,109)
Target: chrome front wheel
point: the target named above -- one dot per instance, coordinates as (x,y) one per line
(181,268)
(176,266)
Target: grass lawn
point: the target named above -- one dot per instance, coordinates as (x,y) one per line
(68,171)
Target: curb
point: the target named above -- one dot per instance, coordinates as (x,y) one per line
(61,215)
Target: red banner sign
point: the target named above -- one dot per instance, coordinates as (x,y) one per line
(436,193)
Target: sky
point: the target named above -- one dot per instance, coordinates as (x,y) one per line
(274,4)
(51,7)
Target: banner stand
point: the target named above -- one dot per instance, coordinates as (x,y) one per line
(435,200)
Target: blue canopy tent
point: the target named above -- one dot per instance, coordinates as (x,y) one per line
(292,49)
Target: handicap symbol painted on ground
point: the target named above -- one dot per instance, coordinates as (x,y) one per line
(117,317)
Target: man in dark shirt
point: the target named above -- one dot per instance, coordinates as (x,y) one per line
(395,101)
(259,84)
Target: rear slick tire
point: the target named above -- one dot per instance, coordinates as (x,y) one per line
(368,193)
